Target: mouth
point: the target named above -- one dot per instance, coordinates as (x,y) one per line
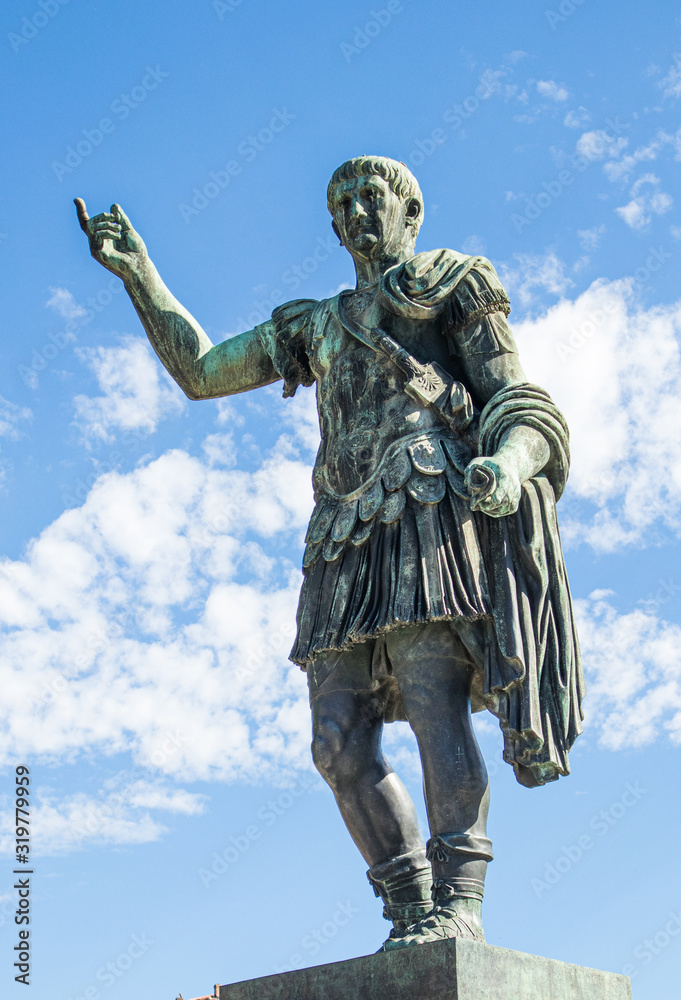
(363,228)
(364,234)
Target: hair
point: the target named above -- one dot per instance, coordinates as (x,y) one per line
(395,173)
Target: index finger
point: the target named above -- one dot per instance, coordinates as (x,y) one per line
(83,217)
(123,220)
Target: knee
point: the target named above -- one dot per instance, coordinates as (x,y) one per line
(336,752)
(327,743)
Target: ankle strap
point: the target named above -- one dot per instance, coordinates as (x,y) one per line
(457,888)
(447,846)
(406,913)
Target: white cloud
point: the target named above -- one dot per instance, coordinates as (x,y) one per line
(660,202)
(219,449)
(599,144)
(633,668)
(119,814)
(228,413)
(156,620)
(301,416)
(589,239)
(633,213)
(137,393)
(473,244)
(647,201)
(492,83)
(402,750)
(552,90)
(529,273)
(581,263)
(63,302)
(345,285)
(671,83)
(614,368)
(11,416)
(577,118)
(623,168)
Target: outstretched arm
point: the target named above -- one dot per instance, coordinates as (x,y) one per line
(201,369)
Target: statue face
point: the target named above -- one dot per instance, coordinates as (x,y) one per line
(371,219)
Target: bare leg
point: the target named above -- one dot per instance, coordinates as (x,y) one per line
(434,677)
(374,804)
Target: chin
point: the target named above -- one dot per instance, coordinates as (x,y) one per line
(367,245)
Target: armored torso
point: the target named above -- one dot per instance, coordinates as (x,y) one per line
(377,445)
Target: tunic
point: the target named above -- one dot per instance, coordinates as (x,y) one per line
(392,540)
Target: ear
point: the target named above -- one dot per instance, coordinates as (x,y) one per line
(413,210)
(337,232)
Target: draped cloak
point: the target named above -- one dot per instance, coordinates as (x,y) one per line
(392,540)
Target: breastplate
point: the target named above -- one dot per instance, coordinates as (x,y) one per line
(363,409)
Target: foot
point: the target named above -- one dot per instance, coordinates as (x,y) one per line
(402,927)
(395,934)
(448,920)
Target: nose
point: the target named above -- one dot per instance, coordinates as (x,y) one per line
(357,210)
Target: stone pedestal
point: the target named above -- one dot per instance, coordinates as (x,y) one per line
(448,970)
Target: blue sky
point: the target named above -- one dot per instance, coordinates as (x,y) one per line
(150,546)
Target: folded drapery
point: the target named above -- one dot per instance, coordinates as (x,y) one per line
(532,673)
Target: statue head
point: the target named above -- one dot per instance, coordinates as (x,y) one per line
(377,207)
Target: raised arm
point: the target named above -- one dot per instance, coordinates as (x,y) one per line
(201,369)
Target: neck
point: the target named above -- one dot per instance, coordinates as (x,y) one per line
(369,272)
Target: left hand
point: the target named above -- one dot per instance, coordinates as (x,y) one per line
(494,486)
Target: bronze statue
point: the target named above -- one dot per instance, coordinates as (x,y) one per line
(434,582)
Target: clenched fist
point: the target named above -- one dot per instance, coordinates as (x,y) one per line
(494,486)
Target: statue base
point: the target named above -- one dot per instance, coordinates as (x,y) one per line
(447,970)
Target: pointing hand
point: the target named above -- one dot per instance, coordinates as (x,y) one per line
(113,241)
